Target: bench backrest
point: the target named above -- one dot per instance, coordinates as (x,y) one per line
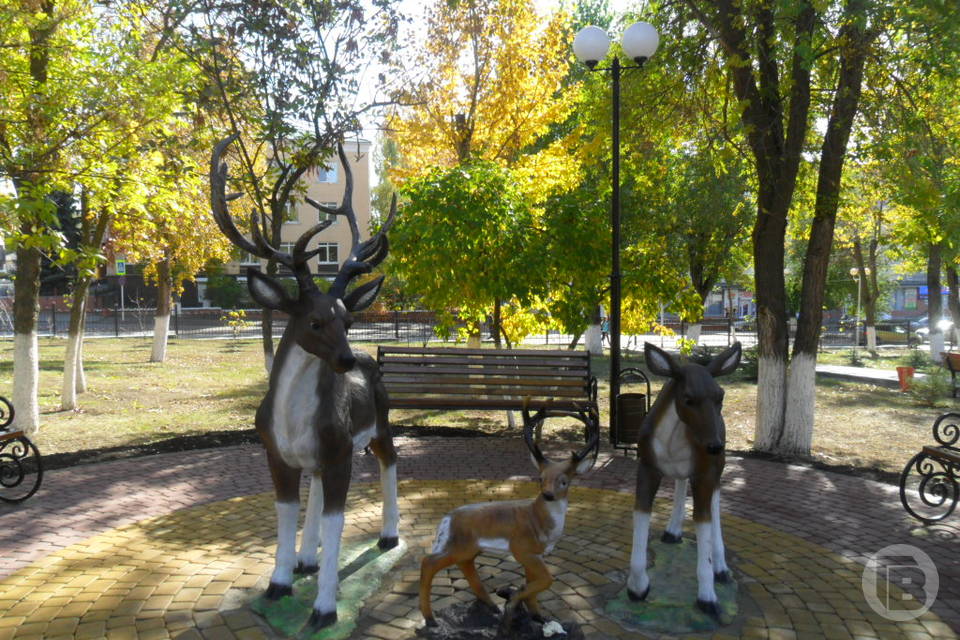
(952,360)
(451,378)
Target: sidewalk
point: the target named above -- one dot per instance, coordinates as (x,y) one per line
(160,546)
(868,375)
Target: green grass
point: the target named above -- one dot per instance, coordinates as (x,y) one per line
(215,385)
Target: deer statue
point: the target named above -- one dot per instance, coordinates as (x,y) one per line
(324,400)
(526,528)
(683,437)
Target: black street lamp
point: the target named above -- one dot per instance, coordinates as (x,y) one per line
(639,42)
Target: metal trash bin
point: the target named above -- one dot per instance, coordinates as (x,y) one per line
(631,409)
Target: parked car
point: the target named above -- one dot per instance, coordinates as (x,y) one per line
(923,331)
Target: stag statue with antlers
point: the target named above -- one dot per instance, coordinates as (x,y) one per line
(526,528)
(324,401)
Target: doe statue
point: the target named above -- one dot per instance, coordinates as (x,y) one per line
(683,437)
(528,529)
(324,400)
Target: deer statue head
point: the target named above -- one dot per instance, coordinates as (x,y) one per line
(697,397)
(557,475)
(318,320)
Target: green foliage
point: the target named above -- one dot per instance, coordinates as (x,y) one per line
(750,364)
(854,359)
(917,358)
(227,293)
(933,389)
(465,239)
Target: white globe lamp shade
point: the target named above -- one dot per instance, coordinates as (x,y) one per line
(640,41)
(591,45)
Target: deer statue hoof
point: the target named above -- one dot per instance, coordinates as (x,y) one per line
(430,622)
(319,620)
(305,569)
(638,597)
(670,538)
(388,543)
(276,591)
(712,609)
(723,577)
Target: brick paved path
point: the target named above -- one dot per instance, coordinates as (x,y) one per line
(769,503)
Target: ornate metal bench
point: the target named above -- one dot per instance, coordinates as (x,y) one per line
(458,379)
(929,487)
(21,468)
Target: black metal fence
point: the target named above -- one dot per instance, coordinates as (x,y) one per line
(418,327)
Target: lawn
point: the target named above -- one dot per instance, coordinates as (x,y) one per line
(214,386)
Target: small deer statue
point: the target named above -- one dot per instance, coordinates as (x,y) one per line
(683,437)
(324,401)
(526,528)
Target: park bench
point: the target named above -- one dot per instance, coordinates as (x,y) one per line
(952,362)
(491,379)
(930,482)
(21,467)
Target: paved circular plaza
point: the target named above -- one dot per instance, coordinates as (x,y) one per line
(176,545)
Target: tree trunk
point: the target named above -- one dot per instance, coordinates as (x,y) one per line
(772,332)
(71,363)
(81,374)
(953,300)
(161,321)
(593,339)
(576,340)
(867,287)
(26,352)
(797,436)
(935,300)
(497,320)
(693,332)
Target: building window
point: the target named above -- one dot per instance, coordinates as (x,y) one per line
(328,173)
(328,216)
(329,253)
(291,213)
(247,259)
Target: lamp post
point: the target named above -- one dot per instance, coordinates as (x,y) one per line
(855,273)
(591,44)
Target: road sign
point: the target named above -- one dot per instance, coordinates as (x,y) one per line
(121,266)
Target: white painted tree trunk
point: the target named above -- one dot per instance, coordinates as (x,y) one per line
(26,382)
(161,324)
(68,391)
(473,342)
(936,346)
(771,398)
(693,332)
(797,435)
(81,374)
(593,340)
(871,338)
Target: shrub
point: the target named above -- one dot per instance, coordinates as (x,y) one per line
(225,292)
(916,358)
(750,364)
(931,390)
(854,359)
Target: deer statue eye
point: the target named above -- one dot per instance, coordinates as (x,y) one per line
(316,326)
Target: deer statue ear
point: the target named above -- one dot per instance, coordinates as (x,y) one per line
(659,361)
(266,291)
(363,296)
(726,362)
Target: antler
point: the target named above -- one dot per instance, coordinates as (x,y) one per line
(364,256)
(528,423)
(593,421)
(296,261)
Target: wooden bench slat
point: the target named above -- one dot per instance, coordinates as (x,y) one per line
(519,353)
(9,435)
(493,381)
(465,390)
(447,403)
(502,361)
(942,454)
(391,368)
